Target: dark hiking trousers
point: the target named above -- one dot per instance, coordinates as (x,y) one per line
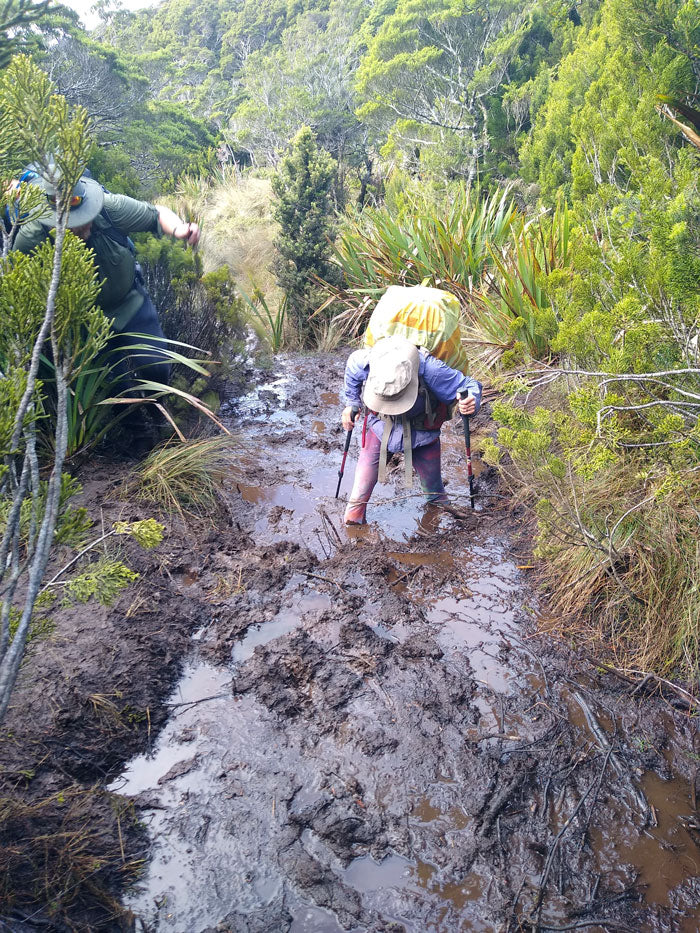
(147,363)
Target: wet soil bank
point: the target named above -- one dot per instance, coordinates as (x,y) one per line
(365,734)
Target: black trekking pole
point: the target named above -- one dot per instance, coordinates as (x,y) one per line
(468,445)
(353,414)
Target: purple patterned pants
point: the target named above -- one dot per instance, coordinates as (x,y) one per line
(426,462)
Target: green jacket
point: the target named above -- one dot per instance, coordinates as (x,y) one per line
(116,265)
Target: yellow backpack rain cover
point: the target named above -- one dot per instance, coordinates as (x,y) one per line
(428,317)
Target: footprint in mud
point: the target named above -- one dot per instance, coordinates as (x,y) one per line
(277,513)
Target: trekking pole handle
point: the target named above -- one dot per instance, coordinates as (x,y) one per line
(354,412)
(467,437)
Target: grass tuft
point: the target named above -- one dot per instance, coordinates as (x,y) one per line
(184,477)
(58,855)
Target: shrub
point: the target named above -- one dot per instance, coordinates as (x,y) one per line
(617,532)
(202,310)
(303,210)
(47,297)
(436,241)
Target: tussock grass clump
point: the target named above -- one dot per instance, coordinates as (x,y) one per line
(184,477)
(632,588)
(235,211)
(238,229)
(619,548)
(63,856)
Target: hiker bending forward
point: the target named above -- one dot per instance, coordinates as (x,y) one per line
(104,221)
(406,393)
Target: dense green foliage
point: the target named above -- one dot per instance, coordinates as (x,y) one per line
(436,86)
(612,460)
(142,144)
(27,27)
(302,209)
(200,309)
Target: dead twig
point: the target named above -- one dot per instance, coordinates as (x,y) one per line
(329,524)
(216,696)
(557,839)
(500,799)
(630,676)
(514,907)
(598,922)
(405,576)
(317,576)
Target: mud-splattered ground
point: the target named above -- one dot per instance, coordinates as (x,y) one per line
(366,734)
(368,737)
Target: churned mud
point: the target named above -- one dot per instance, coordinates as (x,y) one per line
(365,733)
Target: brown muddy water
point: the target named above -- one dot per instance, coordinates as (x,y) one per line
(368,736)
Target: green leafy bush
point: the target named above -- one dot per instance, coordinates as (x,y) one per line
(200,309)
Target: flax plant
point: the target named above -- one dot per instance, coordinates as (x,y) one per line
(94,411)
(511,316)
(449,246)
(271,322)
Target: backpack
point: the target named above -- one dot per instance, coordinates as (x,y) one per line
(428,317)
(122,239)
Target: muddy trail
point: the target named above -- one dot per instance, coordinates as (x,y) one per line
(285,725)
(368,736)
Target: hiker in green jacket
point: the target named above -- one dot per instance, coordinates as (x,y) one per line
(104,221)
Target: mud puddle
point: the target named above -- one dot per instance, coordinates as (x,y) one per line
(382,745)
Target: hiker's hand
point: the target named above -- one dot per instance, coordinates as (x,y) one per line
(467,405)
(171,225)
(347,417)
(188,232)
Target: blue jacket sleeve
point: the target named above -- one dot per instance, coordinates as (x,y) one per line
(445,382)
(356,372)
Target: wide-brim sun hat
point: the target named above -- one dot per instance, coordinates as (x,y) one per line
(392,384)
(86,201)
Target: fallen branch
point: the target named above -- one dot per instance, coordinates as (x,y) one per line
(604,745)
(557,839)
(640,679)
(406,575)
(327,523)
